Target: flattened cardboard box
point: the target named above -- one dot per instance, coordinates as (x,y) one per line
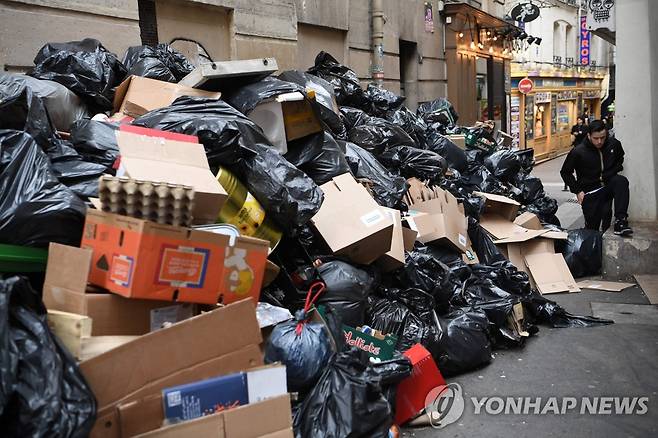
(136,95)
(155,159)
(351,222)
(221,341)
(65,289)
(270,418)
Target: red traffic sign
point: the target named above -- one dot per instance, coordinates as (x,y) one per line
(525,85)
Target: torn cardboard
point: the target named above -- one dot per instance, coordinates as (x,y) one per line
(136,95)
(65,289)
(170,161)
(394,258)
(351,222)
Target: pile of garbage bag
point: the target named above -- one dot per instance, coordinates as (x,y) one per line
(459,308)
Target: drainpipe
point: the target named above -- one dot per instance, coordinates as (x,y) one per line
(378,42)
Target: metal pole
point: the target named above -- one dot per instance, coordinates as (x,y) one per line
(378,42)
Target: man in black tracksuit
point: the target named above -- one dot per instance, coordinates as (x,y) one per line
(597,161)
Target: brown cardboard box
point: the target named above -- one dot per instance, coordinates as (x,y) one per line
(136,95)
(176,162)
(267,419)
(395,257)
(440,219)
(351,222)
(218,342)
(501,205)
(459,140)
(66,289)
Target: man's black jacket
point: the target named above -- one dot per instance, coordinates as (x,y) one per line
(593,167)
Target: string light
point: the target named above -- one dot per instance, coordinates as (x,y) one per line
(481,46)
(461,34)
(495,38)
(491,50)
(472,45)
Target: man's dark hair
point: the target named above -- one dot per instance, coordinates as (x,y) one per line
(597,126)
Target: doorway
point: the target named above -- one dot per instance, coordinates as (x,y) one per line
(409,73)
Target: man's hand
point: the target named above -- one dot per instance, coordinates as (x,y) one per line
(581,197)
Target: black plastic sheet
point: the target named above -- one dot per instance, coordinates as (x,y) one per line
(303,346)
(377,135)
(413,162)
(454,155)
(583,252)
(161,62)
(348,401)
(319,156)
(84,67)
(388,189)
(234,141)
(346,83)
(42,391)
(347,290)
(35,208)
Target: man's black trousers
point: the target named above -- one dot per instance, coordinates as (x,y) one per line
(596,206)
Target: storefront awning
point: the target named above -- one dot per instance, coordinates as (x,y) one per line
(474,15)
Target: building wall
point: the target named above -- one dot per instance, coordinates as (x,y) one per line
(26,25)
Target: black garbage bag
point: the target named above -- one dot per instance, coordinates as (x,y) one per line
(64,107)
(348,401)
(474,158)
(247,97)
(503,164)
(487,251)
(79,175)
(234,141)
(464,342)
(531,189)
(347,290)
(318,156)
(324,95)
(391,372)
(96,141)
(161,62)
(409,315)
(84,67)
(583,252)
(413,162)
(438,111)
(549,312)
(382,100)
(303,346)
(42,391)
(353,117)
(411,123)
(378,135)
(388,189)
(346,83)
(527,159)
(35,208)
(454,155)
(545,208)
(423,271)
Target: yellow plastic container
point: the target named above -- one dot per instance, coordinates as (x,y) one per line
(245,212)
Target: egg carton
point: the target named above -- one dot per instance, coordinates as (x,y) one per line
(159,202)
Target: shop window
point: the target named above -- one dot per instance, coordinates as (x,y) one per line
(542,121)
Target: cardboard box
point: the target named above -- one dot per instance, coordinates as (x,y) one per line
(402,240)
(351,222)
(412,391)
(65,289)
(500,205)
(219,342)
(440,220)
(271,418)
(286,117)
(136,95)
(382,349)
(459,140)
(176,162)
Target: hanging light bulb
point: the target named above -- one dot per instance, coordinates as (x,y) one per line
(481,46)
(461,34)
(488,33)
(495,38)
(472,45)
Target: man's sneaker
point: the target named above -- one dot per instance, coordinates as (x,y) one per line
(622,228)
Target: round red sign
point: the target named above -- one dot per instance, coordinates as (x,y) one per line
(525,85)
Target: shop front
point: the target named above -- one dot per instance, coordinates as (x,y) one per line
(543,113)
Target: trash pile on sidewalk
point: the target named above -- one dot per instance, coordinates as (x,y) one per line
(385,249)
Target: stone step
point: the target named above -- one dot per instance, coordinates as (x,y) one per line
(624,257)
